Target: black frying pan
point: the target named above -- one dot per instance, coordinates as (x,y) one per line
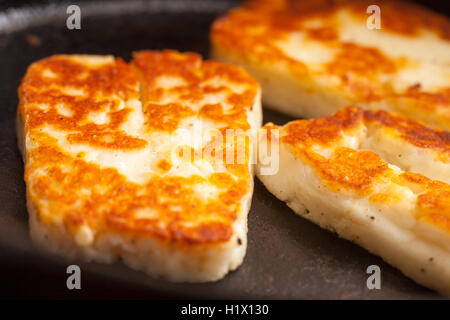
(287,258)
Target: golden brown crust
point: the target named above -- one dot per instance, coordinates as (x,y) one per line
(434,196)
(78,192)
(196,74)
(252,33)
(412,131)
(279,17)
(44,85)
(323,130)
(326,130)
(362,172)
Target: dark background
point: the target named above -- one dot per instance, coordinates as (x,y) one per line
(442,6)
(23,276)
(438,5)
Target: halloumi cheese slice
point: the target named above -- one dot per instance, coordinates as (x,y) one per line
(312,57)
(116,161)
(375,178)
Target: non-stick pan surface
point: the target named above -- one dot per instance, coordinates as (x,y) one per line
(287,258)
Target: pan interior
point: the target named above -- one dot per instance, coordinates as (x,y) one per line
(287,257)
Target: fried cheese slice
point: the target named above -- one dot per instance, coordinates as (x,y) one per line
(313,57)
(376,178)
(107,177)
